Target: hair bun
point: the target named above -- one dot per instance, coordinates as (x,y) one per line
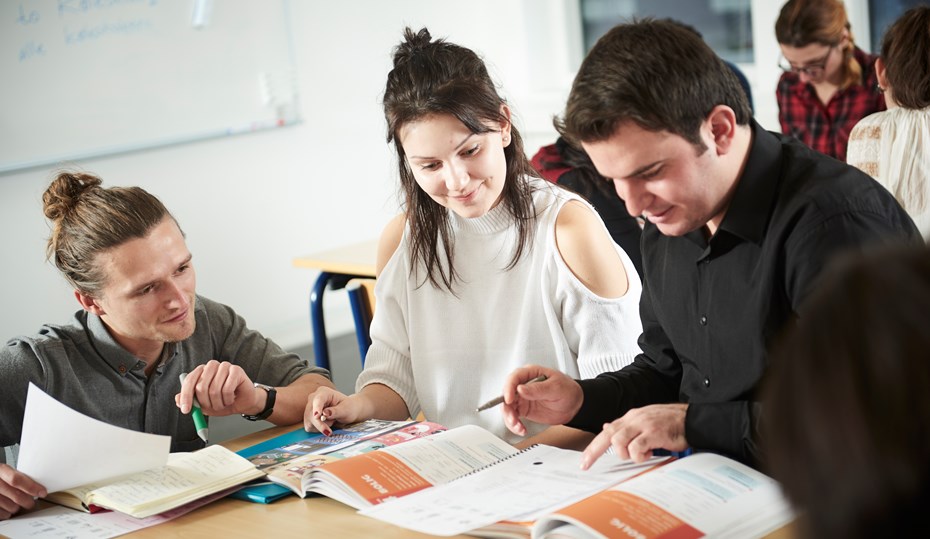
(65,191)
(413,43)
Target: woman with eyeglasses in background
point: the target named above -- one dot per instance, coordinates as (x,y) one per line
(829,84)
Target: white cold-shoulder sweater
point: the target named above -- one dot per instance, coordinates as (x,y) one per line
(445,354)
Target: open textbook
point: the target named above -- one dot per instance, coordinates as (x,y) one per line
(370,478)
(703,495)
(288,459)
(506,497)
(133,473)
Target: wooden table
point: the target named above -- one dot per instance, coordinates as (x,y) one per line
(288,517)
(336,267)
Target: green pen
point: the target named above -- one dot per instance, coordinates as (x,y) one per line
(200,422)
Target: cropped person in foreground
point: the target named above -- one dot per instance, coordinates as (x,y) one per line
(847,421)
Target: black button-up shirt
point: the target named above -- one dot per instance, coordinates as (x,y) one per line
(710,308)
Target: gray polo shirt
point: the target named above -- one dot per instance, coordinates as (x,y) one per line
(82,366)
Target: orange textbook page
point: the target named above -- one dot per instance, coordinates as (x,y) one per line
(612,513)
(377,477)
(395,471)
(700,495)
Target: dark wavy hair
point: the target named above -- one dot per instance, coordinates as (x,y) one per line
(435,77)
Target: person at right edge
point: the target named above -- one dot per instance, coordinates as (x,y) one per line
(740,223)
(893,146)
(829,84)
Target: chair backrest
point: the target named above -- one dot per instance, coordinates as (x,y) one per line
(362,299)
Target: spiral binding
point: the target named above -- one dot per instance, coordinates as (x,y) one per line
(495,463)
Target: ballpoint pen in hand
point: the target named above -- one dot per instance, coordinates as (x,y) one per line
(498,400)
(200,422)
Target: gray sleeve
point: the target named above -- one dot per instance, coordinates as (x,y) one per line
(19,365)
(262,359)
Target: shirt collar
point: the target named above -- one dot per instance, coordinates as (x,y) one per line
(113,353)
(748,213)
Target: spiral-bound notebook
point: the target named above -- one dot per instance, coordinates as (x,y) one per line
(507,496)
(396,471)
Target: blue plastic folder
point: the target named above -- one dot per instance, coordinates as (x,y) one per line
(266,492)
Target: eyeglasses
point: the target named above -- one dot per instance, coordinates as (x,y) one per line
(812,69)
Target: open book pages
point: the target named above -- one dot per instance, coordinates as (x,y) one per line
(186,477)
(518,490)
(703,495)
(62,523)
(374,477)
(288,461)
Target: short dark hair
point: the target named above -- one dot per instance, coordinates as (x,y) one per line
(88,219)
(906,55)
(656,73)
(846,422)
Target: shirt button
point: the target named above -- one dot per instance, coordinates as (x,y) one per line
(122,369)
(707,382)
(703,320)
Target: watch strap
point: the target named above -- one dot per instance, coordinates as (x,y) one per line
(269,403)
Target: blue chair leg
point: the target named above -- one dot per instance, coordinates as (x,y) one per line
(320,344)
(334,281)
(362,320)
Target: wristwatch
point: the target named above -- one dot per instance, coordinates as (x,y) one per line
(269,404)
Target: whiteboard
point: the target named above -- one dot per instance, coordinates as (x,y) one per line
(85,78)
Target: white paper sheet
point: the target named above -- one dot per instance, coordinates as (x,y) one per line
(58,522)
(524,487)
(62,448)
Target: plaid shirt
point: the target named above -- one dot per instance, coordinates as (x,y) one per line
(826,128)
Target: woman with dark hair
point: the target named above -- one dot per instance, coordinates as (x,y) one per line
(829,83)
(894,146)
(847,418)
(488,268)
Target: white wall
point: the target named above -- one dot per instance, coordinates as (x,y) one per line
(252,202)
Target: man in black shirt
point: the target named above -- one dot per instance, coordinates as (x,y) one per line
(740,223)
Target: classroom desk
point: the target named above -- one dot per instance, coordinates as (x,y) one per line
(288,517)
(336,267)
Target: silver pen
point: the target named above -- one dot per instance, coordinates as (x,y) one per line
(498,400)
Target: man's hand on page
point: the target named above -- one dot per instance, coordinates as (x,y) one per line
(639,431)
